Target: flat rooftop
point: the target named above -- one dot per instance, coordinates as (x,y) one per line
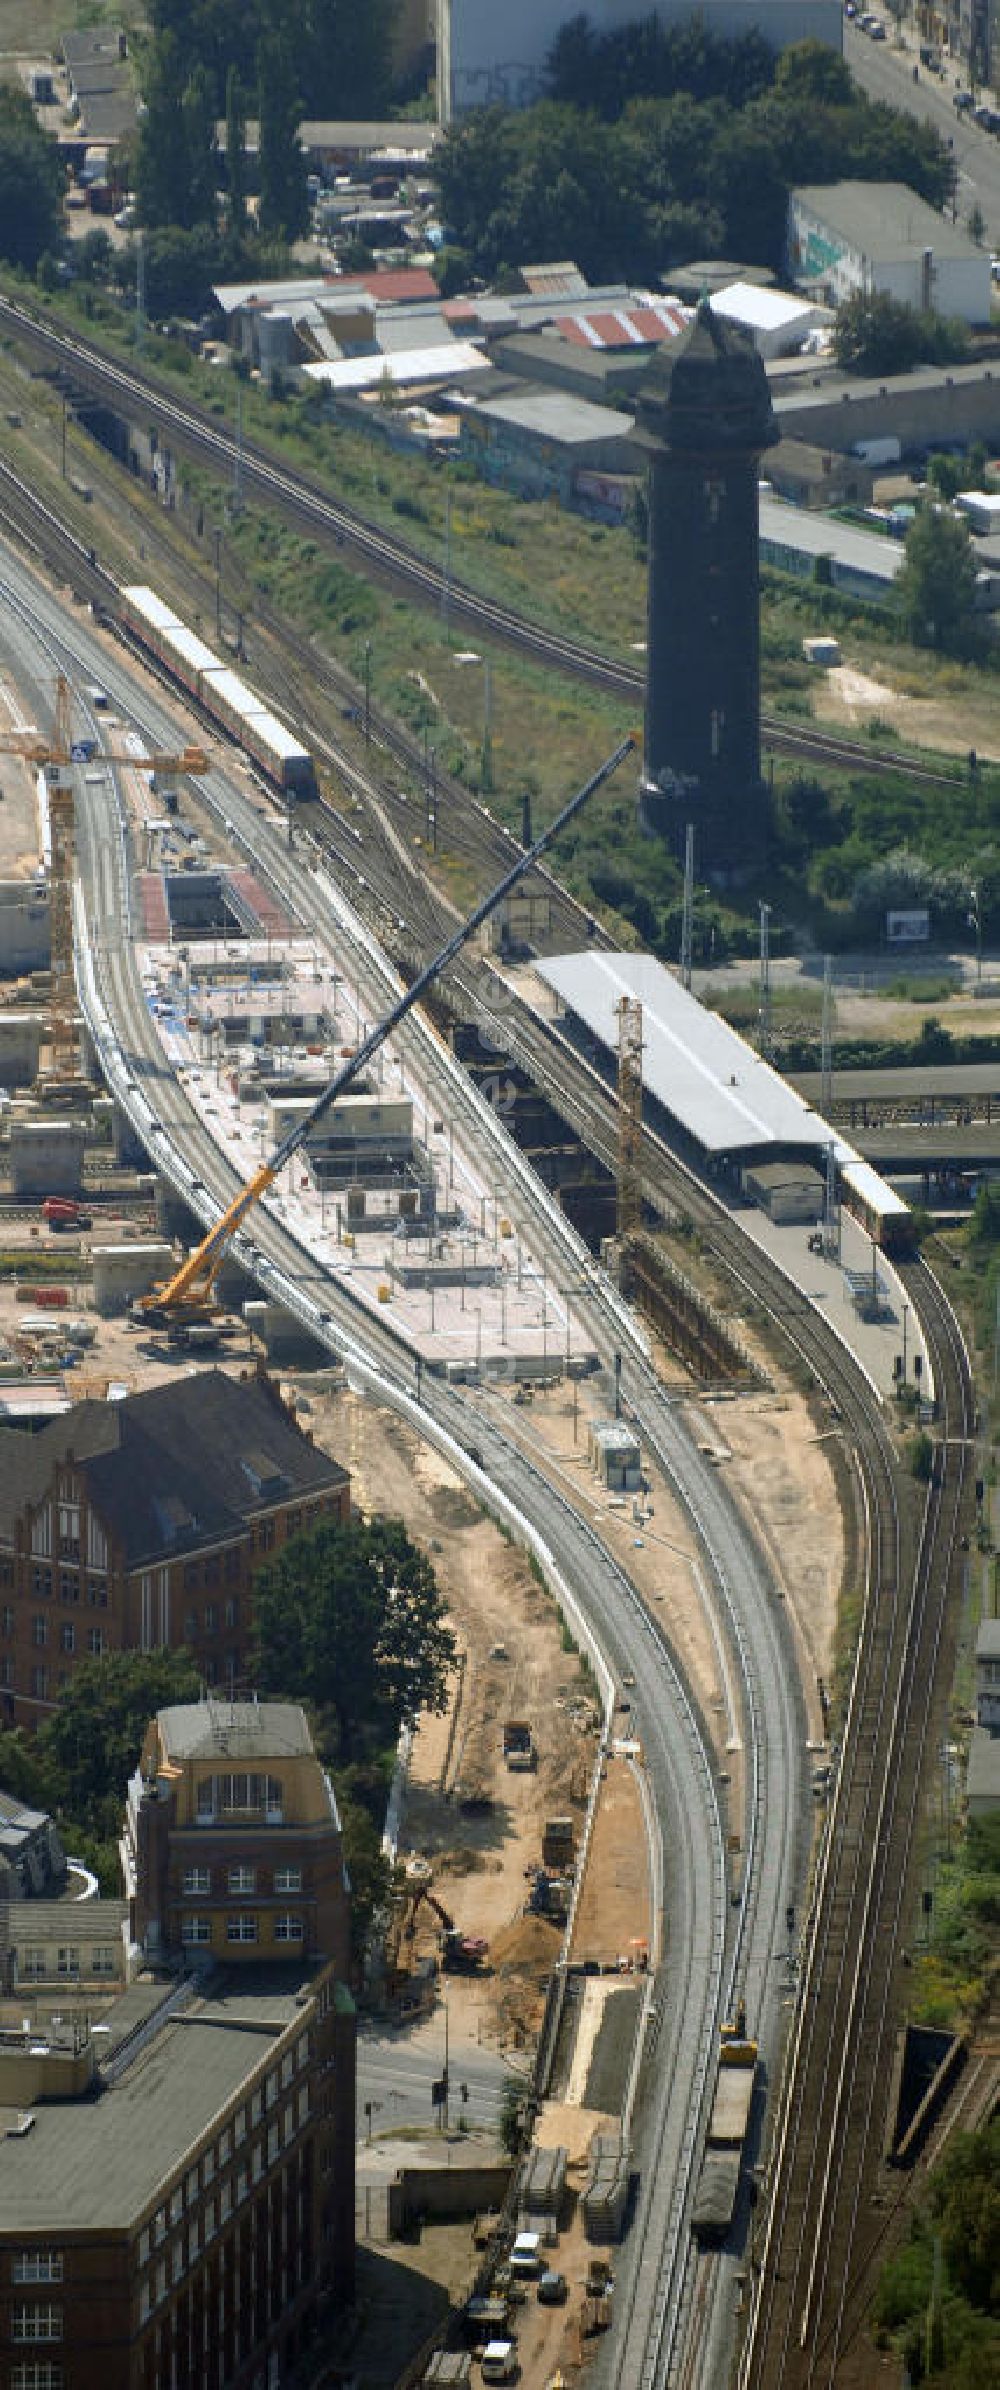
(98,2162)
(699,1069)
(885,220)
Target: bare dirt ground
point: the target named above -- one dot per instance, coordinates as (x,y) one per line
(512,1664)
(848,699)
(613,1915)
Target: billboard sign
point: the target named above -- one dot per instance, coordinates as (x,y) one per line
(908,929)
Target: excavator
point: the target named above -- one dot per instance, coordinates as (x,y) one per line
(187,1300)
(461,1953)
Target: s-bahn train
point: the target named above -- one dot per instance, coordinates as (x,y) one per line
(887,1219)
(218,690)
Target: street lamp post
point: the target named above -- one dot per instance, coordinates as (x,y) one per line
(976,919)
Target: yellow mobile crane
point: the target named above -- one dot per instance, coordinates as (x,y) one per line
(188,1298)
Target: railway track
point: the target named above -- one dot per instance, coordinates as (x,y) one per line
(800,2330)
(396,561)
(824,2227)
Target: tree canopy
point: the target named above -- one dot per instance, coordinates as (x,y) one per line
(876,334)
(350,1618)
(31,182)
(628,174)
(939,2295)
(79,1761)
(937,586)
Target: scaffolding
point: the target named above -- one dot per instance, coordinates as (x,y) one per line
(628,1187)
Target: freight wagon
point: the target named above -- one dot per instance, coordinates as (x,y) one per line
(732,2102)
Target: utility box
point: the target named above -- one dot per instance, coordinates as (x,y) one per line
(615,1454)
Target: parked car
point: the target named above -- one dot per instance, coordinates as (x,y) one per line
(553,2289)
(962,101)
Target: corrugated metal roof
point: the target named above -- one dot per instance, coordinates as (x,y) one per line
(702,1072)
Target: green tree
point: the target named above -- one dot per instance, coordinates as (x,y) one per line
(161,146)
(946,475)
(284,196)
(936,588)
(351,1619)
(31,183)
(91,1742)
(965,2199)
(198,123)
(236,152)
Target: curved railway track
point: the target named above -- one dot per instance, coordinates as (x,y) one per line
(824,2230)
(392,559)
(813,2272)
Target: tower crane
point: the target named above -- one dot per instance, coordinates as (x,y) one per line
(188,1298)
(57,757)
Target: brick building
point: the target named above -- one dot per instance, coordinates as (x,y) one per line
(231,1847)
(136,1525)
(177,2179)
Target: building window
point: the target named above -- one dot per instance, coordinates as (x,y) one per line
(37,2265)
(197,1879)
(32,1968)
(67,1635)
(242,1879)
(293,1522)
(104,1959)
(288,1879)
(96,1642)
(211,1618)
(41,1533)
(212,1569)
(7,1674)
(37,2373)
(41,1583)
(40,1684)
(41,2322)
(288,1929)
(196,1930)
(242,1928)
(240,1796)
(265,1535)
(7,1621)
(68,1962)
(69,1585)
(97,1594)
(39,1631)
(69,1530)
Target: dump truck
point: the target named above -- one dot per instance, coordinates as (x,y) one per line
(518,1748)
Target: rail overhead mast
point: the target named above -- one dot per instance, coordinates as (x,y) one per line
(188,1298)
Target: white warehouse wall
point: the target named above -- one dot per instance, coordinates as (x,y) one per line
(489,53)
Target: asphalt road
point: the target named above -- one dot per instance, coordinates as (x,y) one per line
(886,73)
(397,2068)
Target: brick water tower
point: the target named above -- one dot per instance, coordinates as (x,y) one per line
(704,419)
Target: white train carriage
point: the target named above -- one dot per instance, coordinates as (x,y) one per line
(227,699)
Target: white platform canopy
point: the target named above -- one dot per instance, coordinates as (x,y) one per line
(698,1068)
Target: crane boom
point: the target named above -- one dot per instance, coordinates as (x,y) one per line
(191,1286)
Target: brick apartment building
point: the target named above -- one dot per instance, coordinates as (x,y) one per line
(231,1847)
(177,2176)
(139,1524)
